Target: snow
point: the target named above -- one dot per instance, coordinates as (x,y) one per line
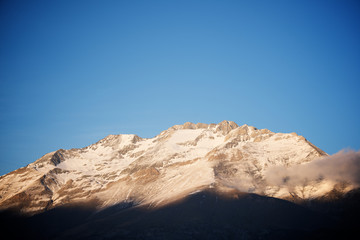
(184,135)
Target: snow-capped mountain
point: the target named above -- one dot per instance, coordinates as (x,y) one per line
(180,161)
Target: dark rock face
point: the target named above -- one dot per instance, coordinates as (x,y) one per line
(58,157)
(204,215)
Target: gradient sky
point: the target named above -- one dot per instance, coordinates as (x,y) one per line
(72,72)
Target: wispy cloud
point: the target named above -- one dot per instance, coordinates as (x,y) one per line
(343,166)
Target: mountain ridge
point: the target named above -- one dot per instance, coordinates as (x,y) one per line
(155,171)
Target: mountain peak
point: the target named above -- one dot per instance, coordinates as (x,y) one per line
(190,125)
(224,126)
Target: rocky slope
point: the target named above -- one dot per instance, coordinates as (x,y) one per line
(182,160)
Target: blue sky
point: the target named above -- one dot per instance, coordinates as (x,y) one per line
(72,72)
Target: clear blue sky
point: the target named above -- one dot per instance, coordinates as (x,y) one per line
(72,72)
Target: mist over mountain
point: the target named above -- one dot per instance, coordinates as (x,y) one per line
(192,181)
(342,167)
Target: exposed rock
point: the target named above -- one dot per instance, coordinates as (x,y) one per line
(58,157)
(226,126)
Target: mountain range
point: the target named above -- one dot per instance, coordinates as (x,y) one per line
(192,181)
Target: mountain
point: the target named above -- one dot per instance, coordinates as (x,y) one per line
(181,160)
(187,170)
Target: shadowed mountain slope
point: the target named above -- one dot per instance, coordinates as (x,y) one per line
(202,215)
